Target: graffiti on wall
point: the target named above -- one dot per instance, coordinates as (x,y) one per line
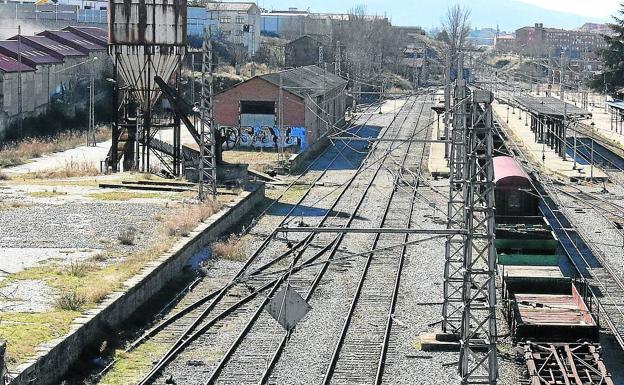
(271,137)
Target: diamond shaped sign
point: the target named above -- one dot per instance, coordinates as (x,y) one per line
(288,307)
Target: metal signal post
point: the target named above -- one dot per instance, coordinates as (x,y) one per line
(207,152)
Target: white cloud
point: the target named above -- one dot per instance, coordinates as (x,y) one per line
(589,8)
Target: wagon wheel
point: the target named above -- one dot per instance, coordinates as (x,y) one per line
(230,138)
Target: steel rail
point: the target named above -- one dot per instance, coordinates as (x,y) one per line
(365,271)
(248,325)
(278,351)
(397,284)
(371,230)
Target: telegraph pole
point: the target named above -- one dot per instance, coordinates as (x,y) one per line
(20,118)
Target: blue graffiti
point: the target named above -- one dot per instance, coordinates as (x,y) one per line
(271,137)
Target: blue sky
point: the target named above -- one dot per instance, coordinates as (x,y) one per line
(509,14)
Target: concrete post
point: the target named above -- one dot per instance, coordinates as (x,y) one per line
(2,367)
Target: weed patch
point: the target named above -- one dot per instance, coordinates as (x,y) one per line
(233,248)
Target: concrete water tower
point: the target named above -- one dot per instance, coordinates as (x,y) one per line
(147,38)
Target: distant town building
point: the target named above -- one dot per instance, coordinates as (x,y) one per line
(295,23)
(237,23)
(483,37)
(308,50)
(505,43)
(596,28)
(541,41)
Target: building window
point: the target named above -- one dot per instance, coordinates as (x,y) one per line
(225,19)
(240,19)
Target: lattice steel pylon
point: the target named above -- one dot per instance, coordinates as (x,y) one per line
(454,250)
(207,170)
(478,360)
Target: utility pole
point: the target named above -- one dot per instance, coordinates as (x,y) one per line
(281,159)
(91,140)
(447,102)
(207,152)
(338,63)
(20,118)
(565,106)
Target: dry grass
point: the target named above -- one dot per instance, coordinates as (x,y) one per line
(128,236)
(233,248)
(46,194)
(183,220)
(29,148)
(80,268)
(3,176)
(124,195)
(70,300)
(71,169)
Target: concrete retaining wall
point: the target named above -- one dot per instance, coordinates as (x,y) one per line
(57,356)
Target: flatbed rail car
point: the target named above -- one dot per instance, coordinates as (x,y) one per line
(553,317)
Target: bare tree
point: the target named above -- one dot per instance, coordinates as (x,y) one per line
(456,26)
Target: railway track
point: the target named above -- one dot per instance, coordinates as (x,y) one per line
(259,334)
(209,319)
(360,353)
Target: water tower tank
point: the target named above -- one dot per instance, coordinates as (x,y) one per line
(147,38)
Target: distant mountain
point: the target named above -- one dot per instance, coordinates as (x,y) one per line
(509,15)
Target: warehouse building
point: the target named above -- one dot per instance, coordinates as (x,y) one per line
(313,102)
(10,72)
(53,63)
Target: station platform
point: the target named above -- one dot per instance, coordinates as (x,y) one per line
(606,127)
(542,155)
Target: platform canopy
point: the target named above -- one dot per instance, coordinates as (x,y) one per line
(551,107)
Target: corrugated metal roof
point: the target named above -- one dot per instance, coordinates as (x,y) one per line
(8,64)
(306,81)
(54,48)
(94,34)
(30,55)
(551,106)
(73,40)
(616,104)
(234,6)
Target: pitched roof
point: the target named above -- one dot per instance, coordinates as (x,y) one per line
(73,40)
(30,55)
(8,64)
(54,48)
(306,81)
(94,34)
(319,39)
(233,6)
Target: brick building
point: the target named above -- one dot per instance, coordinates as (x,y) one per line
(505,43)
(541,41)
(313,101)
(308,50)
